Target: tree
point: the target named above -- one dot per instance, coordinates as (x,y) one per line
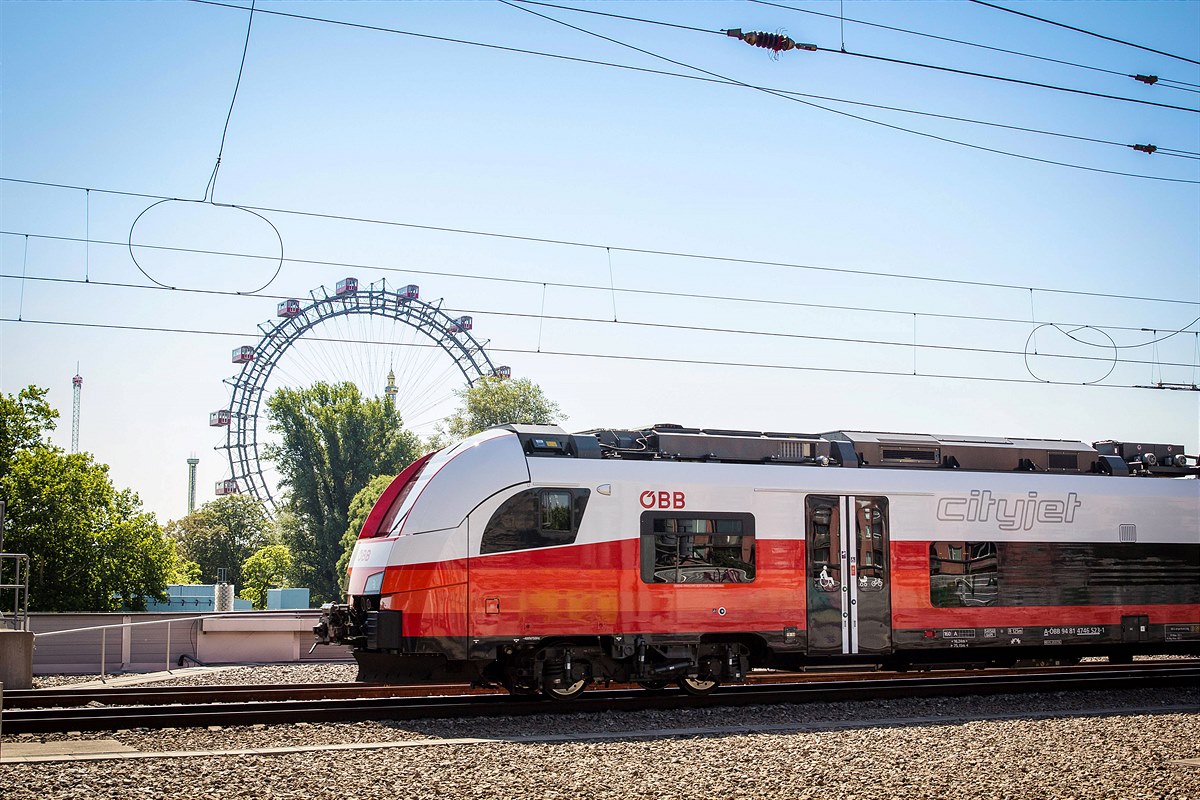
(25,419)
(331,441)
(222,534)
(182,571)
(360,509)
(497,401)
(268,568)
(91,547)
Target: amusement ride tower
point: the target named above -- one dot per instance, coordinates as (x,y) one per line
(78,383)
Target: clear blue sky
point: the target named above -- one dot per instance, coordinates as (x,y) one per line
(338,120)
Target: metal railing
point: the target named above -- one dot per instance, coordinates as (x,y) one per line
(18,585)
(105,628)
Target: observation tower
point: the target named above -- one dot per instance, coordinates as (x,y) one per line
(192,462)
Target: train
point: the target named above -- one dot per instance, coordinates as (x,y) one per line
(543,561)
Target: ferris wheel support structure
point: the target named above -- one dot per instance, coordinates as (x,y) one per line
(452,335)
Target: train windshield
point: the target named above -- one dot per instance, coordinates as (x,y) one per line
(394,517)
(394,522)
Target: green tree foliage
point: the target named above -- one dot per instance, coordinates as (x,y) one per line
(497,401)
(183,571)
(222,534)
(91,547)
(360,508)
(268,568)
(25,419)
(332,440)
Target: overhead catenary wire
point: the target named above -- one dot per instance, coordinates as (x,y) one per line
(843,51)
(1086,32)
(859,117)
(822,306)
(1005,79)
(825,306)
(1159,81)
(642,250)
(618,357)
(712,79)
(211,188)
(611,288)
(542,317)
(724,82)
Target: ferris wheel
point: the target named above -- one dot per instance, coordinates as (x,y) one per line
(380,339)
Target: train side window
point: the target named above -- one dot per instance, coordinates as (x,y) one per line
(697,547)
(555,511)
(535,518)
(824,537)
(963,574)
(871,516)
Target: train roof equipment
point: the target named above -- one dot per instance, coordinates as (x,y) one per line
(670,442)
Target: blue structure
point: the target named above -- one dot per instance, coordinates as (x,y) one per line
(286,599)
(196,598)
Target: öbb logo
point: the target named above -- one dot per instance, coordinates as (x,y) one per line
(653,499)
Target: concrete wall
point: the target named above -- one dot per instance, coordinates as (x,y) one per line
(144,648)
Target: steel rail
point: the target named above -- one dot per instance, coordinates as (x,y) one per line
(191,695)
(147,695)
(59,720)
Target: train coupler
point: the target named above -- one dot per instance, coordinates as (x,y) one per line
(338,624)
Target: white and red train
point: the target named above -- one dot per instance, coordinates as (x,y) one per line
(543,561)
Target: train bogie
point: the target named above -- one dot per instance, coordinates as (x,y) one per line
(544,561)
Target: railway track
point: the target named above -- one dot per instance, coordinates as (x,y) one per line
(213,706)
(181,695)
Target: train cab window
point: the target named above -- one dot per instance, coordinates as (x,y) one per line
(963,574)
(697,547)
(535,518)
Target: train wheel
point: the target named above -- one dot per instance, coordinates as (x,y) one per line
(697,686)
(569,692)
(652,686)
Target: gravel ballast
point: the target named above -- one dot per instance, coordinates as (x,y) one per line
(940,748)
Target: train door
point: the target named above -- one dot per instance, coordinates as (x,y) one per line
(848,576)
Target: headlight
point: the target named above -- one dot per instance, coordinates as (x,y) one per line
(374,584)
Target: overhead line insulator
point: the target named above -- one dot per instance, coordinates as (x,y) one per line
(1148,149)
(775,42)
(1149,80)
